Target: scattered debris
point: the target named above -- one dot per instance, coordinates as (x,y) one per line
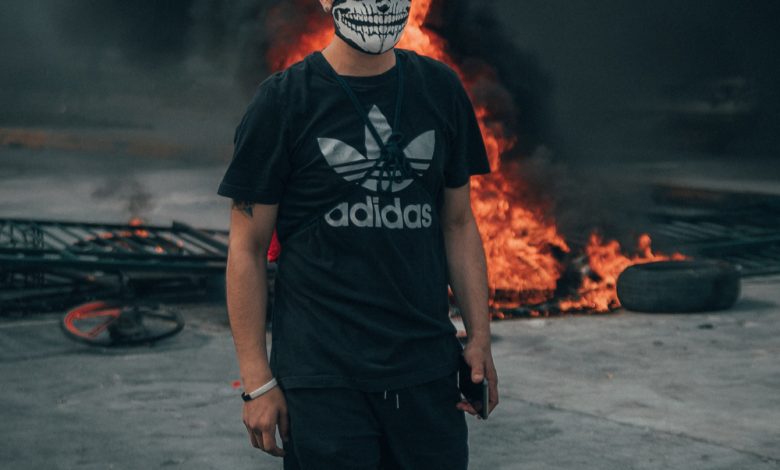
(49,265)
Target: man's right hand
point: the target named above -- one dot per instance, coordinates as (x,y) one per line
(261,417)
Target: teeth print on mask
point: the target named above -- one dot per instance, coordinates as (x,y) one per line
(371,26)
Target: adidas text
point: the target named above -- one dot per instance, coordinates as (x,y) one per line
(371,215)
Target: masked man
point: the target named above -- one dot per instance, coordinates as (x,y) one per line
(360,157)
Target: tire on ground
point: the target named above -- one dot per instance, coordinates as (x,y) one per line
(679,286)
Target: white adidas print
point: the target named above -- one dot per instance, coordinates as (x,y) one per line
(352,165)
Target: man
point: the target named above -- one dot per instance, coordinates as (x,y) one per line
(359,156)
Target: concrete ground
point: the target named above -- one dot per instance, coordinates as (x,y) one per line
(617,391)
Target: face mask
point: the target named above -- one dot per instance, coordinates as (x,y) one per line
(371,26)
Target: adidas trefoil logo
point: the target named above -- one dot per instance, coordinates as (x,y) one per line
(352,165)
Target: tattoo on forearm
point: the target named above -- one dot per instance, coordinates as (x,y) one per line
(243,206)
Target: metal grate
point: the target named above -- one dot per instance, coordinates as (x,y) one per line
(27,243)
(49,264)
(743,229)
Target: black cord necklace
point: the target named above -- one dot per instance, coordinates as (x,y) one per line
(392,163)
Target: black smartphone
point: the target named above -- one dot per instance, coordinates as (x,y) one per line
(476,394)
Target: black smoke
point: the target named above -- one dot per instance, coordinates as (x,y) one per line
(578,76)
(582,85)
(150,33)
(519,90)
(87,48)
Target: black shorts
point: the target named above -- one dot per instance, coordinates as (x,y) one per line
(417,427)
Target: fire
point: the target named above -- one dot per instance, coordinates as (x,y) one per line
(317,35)
(606,261)
(139,232)
(523,246)
(419,39)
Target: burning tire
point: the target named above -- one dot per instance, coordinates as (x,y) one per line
(679,286)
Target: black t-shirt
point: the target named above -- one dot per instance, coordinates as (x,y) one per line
(361,286)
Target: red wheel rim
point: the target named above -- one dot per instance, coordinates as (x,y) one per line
(114,323)
(99,315)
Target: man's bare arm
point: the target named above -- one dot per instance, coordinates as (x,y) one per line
(466,263)
(251,229)
(468,278)
(245,207)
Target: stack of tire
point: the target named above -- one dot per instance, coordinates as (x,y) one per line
(679,286)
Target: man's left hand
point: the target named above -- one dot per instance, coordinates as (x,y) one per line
(479,356)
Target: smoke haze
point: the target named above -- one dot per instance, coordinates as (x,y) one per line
(582,78)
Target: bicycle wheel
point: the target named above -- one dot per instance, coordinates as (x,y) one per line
(112,323)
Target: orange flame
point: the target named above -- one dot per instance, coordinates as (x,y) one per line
(520,241)
(139,232)
(607,262)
